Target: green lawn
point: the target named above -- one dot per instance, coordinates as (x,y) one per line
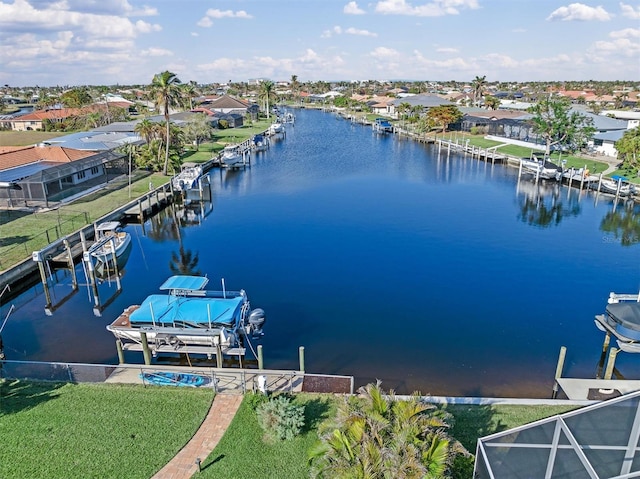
(52,430)
(24,138)
(242,452)
(22,232)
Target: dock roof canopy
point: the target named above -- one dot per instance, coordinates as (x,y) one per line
(597,441)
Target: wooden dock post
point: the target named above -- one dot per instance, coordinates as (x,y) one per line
(260,360)
(120,351)
(559,367)
(37,256)
(140,213)
(146,352)
(70,265)
(301,356)
(216,340)
(608,372)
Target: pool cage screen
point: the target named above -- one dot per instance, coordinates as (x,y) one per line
(597,441)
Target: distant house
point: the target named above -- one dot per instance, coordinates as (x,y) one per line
(36,119)
(43,174)
(425,101)
(228,104)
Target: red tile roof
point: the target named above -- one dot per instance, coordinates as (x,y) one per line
(32,154)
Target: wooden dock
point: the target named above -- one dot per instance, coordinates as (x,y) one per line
(148,204)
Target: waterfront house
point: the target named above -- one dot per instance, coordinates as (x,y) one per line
(424,101)
(38,175)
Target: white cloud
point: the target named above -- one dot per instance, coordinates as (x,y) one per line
(624,43)
(156,52)
(580,12)
(337,30)
(352,8)
(144,27)
(204,22)
(364,33)
(384,53)
(215,13)
(447,50)
(436,8)
(630,11)
(195,34)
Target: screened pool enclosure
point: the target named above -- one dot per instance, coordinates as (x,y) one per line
(597,441)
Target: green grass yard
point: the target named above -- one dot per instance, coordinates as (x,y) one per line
(53,430)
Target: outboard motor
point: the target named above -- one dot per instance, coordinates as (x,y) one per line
(256,321)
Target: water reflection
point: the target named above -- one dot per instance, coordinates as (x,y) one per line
(622,224)
(542,205)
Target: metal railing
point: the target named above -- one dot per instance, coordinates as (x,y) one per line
(220,379)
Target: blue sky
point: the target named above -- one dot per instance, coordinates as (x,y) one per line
(75,42)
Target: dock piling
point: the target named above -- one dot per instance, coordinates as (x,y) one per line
(145,348)
(260,360)
(301,356)
(608,372)
(559,367)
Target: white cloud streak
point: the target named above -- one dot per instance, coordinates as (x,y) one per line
(579,12)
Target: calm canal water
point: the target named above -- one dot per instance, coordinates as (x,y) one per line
(436,273)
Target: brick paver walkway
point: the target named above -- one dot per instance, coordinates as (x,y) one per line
(183,465)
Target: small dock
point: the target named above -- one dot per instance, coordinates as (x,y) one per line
(148,204)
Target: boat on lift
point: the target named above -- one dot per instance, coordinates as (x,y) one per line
(541,168)
(188,177)
(382,125)
(621,319)
(259,142)
(276,128)
(616,185)
(232,156)
(111,247)
(185,317)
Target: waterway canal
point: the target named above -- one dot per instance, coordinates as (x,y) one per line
(437,273)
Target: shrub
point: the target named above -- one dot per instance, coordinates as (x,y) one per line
(280,419)
(255,400)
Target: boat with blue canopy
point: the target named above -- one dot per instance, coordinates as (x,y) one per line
(187,317)
(382,125)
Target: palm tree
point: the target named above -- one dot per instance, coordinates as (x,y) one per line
(146,129)
(267,94)
(165,91)
(477,85)
(189,90)
(403,109)
(377,436)
(295,85)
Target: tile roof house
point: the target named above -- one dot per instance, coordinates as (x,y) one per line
(52,173)
(35,120)
(229,104)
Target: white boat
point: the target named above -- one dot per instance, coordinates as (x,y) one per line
(289,118)
(276,128)
(188,178)
(231,156)
(260,142)
(111,247)
(541,168)
(188,318)
(622,320)
(616,185)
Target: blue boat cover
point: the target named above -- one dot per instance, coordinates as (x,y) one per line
(165,310)
(185,282)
